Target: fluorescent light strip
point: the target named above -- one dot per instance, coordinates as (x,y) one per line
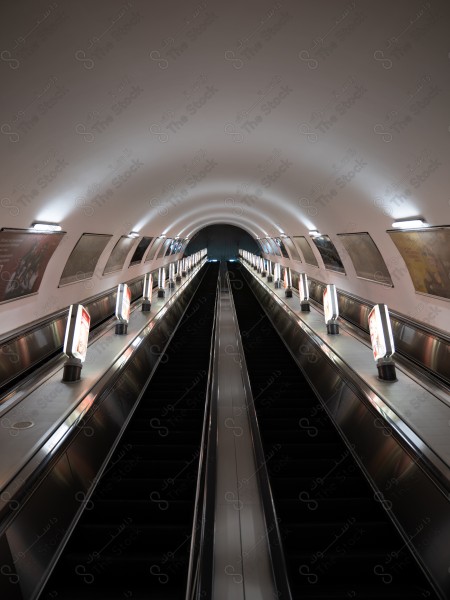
(46,227)
(410,224)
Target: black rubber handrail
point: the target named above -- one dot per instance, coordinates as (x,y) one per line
(14,502)
(200,573)
(279,569)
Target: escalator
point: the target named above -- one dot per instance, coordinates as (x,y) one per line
(338,540)
(133,538)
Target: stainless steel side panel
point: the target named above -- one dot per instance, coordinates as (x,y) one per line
(416,503)
(9,580)
(41,525)
(87,452)
(24,349)
(423,345)
(34,532)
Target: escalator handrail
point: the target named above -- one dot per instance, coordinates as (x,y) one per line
(278,560)
(69,427)
(200,559)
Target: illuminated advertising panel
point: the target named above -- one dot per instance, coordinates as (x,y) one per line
(381,332)
(148,287)
(123,303)
(303,287)
(277,271)
(287,278)
(77,332)
(330,303)
(161,278)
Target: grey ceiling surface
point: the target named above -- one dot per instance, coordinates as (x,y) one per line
(277,116)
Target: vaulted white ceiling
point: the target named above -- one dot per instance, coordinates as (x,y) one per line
(270,115)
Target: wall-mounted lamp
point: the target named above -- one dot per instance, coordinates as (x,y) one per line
(44,226)
(133,234)
(409,224)
(314,233)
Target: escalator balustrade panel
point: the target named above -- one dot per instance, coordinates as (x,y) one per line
(133,538)
(338,540)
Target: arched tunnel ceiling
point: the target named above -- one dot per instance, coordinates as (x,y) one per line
(272,116)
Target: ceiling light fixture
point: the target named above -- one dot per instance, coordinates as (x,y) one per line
(409,224)
(44,226)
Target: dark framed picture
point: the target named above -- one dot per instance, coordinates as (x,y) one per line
(426,253)
(24,256)
(329,254)
(84,258)
(366,258)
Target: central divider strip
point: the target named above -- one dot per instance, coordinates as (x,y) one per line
(238,526)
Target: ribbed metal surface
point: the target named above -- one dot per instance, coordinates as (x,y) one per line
(421,344)
(27,348)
